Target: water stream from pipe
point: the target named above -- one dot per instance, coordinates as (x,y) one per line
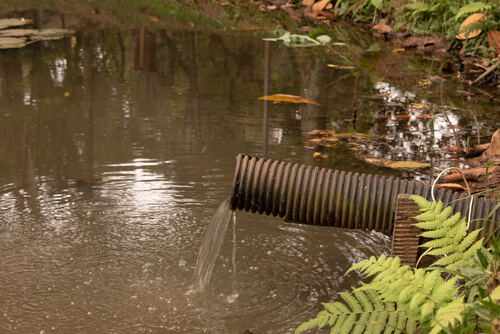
(211,245)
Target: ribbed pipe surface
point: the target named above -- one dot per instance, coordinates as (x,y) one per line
(316,196)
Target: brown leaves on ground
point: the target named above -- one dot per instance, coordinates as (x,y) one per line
(494,40)
(486,177)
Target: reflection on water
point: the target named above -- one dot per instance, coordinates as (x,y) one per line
(117,147)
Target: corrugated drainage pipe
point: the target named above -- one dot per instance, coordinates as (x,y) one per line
(316,196)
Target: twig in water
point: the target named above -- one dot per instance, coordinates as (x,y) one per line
(488,71)
(341,55)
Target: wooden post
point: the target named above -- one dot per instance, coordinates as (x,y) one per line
(405,234)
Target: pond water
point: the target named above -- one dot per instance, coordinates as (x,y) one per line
(118,147)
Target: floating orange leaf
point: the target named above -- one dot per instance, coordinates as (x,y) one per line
(378,161)
(402,117)
(464,32)
(341,67)
(408,164)
(285,98)
(315,154)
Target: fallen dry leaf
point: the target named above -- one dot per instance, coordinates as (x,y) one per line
(399,50)
(378,161)
(382,28)
(320,5)
(473,18)
(285,98)
(494,40)
(451,186)
(408,164)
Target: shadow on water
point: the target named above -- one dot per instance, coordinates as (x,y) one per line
(118,146)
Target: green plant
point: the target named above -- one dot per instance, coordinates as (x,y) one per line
(401,299)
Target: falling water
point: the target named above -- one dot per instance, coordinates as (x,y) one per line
(211,244)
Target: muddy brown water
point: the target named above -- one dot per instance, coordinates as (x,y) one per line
(117,150)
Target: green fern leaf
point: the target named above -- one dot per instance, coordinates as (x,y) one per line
(411,325)
(442,242)
(444,214)
(380,321)
(473,249)
(459,231)
(432,278)
(468,240)
(445,250)
(364,300)
(339,323)
(472,8)
(431,224)
(434,234)
(427,216)
(448,315)
(445,261)
(448,223)
(348,323)
(406,294)
(416,6)
(360,326)
(401,323)
(417,300)
(379,4)
(445,292)
(351,301)
(427,309)
(336,308)
(323,317)
(423,204)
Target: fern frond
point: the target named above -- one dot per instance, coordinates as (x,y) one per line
(365,313)
(452,221)
(320,321)
(434,234)
(448,234)
(468,240)
(442,242)
(351,301)
(472,8)
(423,204)
(448,315)
(429,224)
(444,292)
